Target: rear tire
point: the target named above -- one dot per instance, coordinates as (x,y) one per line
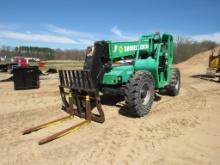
(175,82)
(139,94)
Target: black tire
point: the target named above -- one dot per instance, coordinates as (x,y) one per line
(175,82)
(139,94)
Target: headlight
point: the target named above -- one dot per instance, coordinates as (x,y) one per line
(119,79)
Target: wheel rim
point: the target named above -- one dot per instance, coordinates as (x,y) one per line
(145,94)
(177,83)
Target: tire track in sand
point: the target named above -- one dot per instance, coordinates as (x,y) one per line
(172,124)
(124,140)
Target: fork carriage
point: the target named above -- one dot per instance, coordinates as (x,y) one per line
(79,96)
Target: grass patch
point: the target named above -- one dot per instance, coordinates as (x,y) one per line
(61,64)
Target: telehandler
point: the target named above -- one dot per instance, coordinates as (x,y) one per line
(135,70)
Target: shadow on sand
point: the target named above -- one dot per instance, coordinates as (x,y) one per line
(207,78)
(123,109)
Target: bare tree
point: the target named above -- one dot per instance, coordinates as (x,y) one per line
(185,48)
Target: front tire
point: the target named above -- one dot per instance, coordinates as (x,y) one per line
(139,94)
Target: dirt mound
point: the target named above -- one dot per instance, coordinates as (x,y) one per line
(198,63)
(180,130)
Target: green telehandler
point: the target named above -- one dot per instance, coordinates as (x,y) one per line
(135,70)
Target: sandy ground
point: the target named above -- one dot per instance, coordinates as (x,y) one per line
(180,130)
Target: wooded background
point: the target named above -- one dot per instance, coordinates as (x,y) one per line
(184,48)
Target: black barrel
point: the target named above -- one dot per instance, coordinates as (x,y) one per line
(26,77)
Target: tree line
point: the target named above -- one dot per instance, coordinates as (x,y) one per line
(42,53)
(38,52)
(184,48)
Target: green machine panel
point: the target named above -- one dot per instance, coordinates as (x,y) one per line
(123,49)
